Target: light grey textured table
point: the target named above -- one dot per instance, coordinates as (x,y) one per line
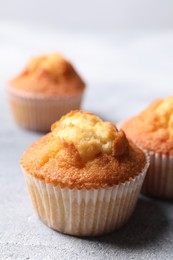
(149,233)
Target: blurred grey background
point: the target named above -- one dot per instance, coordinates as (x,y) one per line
(91,14)
(123,49)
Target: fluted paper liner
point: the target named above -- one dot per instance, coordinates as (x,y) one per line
(159,177)
(39,112)
(84,212)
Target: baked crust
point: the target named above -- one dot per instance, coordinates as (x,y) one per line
(152,129)
(49,75)
(92,154)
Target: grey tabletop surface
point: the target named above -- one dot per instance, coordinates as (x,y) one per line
(149,232)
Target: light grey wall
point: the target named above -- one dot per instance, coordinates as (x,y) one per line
(90,14)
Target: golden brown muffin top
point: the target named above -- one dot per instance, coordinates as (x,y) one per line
(153,128)
(83,151)
(49,75)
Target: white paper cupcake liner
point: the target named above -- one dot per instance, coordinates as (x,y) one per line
(159,177)
(84,212)
(39,112)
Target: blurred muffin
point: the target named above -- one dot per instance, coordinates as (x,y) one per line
(48,88)
(84,177)
(153,130)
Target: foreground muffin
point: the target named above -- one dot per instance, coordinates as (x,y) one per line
(48,88)
(153,130)
(84,177)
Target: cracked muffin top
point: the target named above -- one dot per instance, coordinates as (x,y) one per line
(153,128)
(49,75)
(83,151)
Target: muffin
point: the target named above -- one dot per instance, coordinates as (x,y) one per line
(84,176)
(152,130)
(48,88)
